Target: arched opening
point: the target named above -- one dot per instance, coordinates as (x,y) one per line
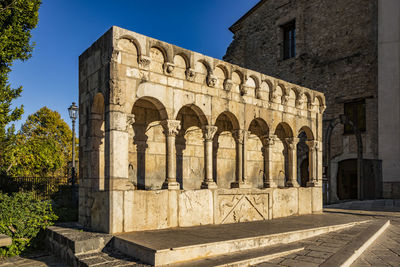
(224,150)
(256,168)
(147,151)
(190,148)
(303,173)
(281,155)
(97,156)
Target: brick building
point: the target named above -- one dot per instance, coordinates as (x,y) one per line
(349,50)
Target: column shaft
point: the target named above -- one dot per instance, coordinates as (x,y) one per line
(208,132)
(171,129)
(292,154)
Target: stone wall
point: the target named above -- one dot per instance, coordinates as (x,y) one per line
(167,135)
(336,53)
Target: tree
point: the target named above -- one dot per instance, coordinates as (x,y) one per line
(17,19)
(43,146)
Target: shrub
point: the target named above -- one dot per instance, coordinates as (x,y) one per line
(22,217)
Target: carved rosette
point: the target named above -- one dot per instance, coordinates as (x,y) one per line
(211,80)
(285,99)
(300,101)
(190,74)
(228,84)
(144,62)
(209,132)
(258,93)
(168,68)
(292,142)
(243,89)
(171,127)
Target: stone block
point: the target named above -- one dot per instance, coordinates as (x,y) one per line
(195,207)
(305,200)
(285,202)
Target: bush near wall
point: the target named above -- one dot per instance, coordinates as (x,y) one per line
(22,217)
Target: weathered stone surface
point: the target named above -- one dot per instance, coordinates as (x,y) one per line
(145,154)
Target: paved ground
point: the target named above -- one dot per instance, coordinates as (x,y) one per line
(384,252)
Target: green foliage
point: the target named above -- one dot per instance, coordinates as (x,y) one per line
(21,218)
(42,147)
(17,19)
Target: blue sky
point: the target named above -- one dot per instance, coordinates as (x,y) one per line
(67,27)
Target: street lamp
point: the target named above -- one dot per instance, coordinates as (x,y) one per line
(73,114)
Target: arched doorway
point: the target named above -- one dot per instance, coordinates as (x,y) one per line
(347,179)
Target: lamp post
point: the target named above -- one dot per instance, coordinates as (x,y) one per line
(73,114)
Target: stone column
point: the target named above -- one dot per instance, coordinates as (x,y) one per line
(171,129)
(208,133)
(268,142)
(241,182)
(318,163)
(312,163)
(292,153)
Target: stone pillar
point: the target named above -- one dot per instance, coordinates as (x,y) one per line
(318,167)
(292,153)
(268,142)
(241,181)
(208,133)
(312,163)
(171,129)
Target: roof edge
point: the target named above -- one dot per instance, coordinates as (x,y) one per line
(235,25)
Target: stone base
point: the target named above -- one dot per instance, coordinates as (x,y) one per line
(292,184)
(171,185)
(209,185)
(270,185)
(241,185)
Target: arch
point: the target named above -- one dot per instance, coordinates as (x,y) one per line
(185,56)
(190,147)
(161,49)
(287,130)
(231,118)
(256,167)
(220,74)
(133,41)
(308,132)
(147,149)
(180,61)
(309,99)
(224,70)
(157,104)
(206,64)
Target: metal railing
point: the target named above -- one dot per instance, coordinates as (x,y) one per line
(42,187)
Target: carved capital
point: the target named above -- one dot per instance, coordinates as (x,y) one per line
(240,135)
(190,74)
(228,84)
(322,109)
(144,62)
(268,140)
(168,68)
(171,127)
(209,132)
(211,80)
(312,144)
(130,120)
(292,142)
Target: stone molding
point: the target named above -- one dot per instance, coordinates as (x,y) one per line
(144,62)
(228,85)
(209,131)
(171,127)
(211,80)
(190,74)
(168,68)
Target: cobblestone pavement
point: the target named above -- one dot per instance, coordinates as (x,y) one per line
(318,249)
(385,251)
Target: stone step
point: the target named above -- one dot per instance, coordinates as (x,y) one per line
(349,253)
(244,258)
(182,245)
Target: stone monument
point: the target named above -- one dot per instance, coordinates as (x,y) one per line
(173,138)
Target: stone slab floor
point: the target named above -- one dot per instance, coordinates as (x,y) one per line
(385,251)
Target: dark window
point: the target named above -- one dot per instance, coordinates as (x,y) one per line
(289,40)
(355,111)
